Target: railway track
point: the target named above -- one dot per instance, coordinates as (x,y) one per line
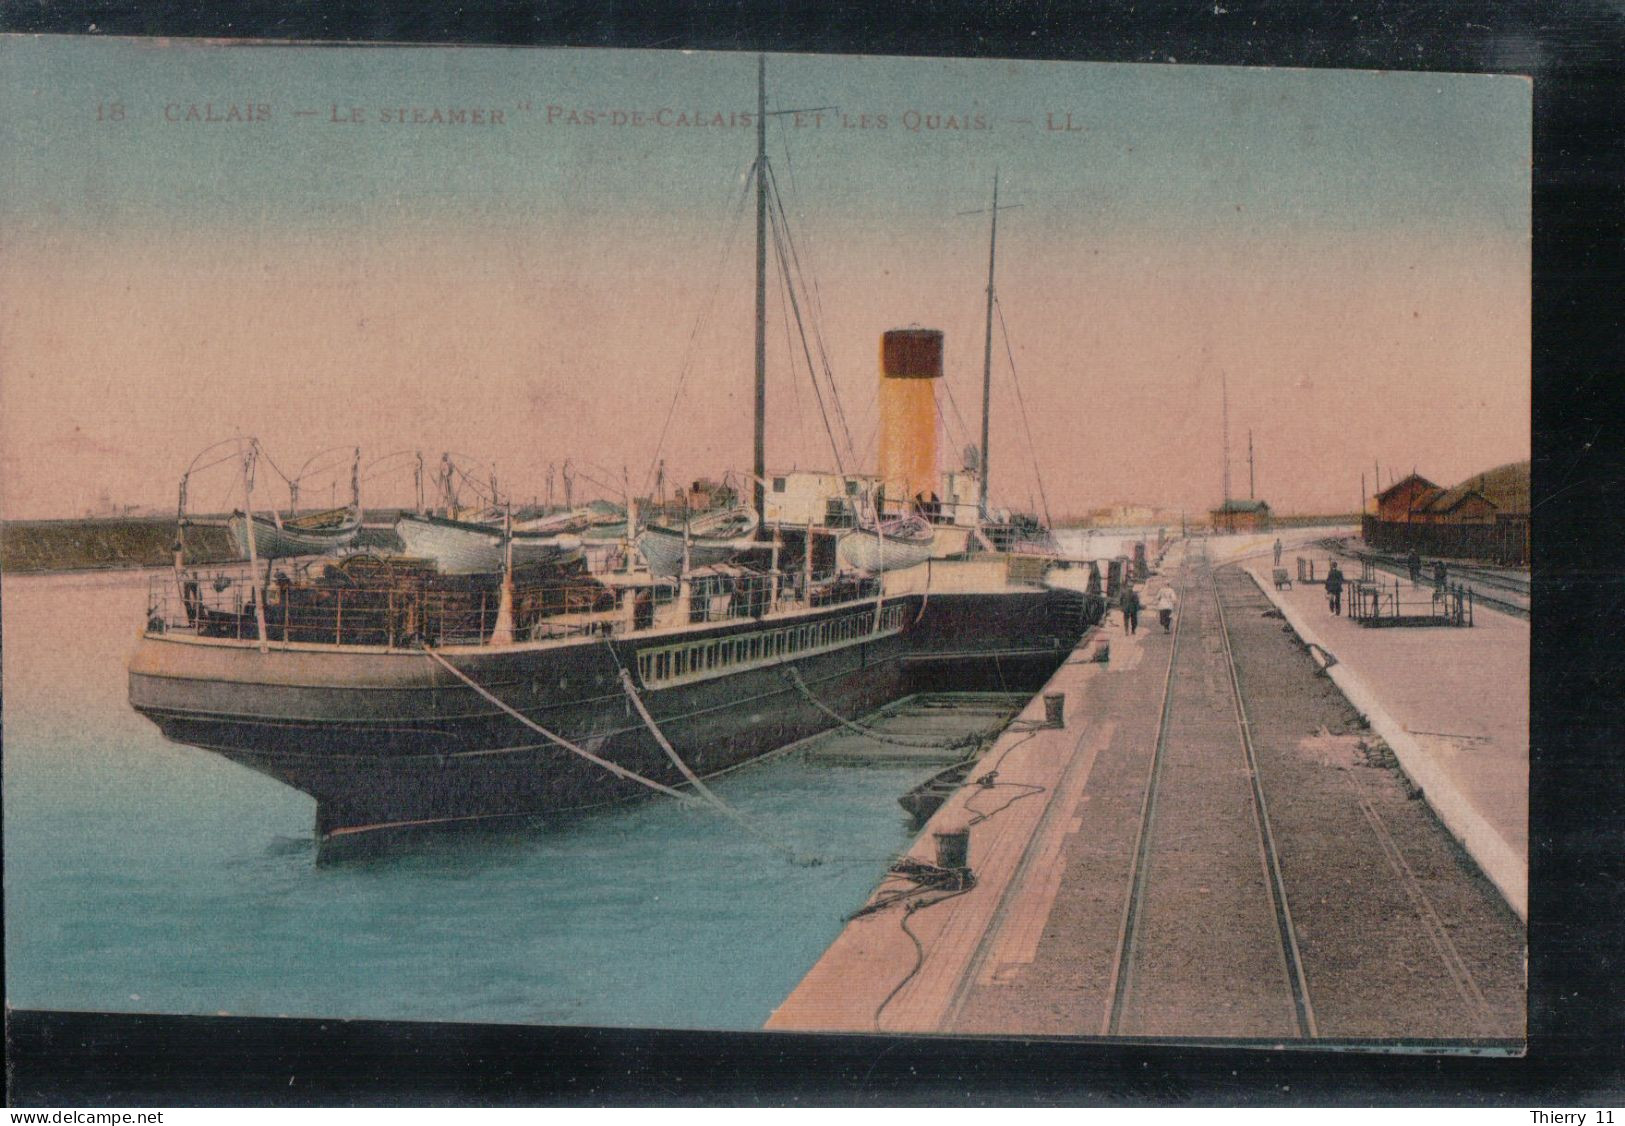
(1498,589)
(1207,945)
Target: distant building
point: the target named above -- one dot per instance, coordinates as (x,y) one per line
(1128,516)
(1483,517)
(1398,501)
(1463,504)
(1241,516)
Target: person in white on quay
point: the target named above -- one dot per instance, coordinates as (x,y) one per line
(1166,601)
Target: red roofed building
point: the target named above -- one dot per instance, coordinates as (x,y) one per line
(1398,501)
(1483,517)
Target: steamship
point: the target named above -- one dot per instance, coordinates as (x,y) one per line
(395,694)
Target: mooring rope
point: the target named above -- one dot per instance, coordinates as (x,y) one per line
(922,877)
(700,787)
(613,768)
(713,802)
(869,732)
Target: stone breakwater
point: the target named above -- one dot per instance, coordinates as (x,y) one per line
(31,546)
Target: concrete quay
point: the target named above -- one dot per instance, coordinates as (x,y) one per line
(1402,938)
(998,923)
(1452,704)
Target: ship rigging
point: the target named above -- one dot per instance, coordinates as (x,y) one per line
(397,693)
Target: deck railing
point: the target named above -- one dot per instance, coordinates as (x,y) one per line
(390,608)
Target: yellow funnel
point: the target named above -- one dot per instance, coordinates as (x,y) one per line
(910,359)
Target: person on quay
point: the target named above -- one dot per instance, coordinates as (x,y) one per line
(1166,601)
(1413,563)
(1441,576)
(1334,589)
(1130,603)
(1277,551)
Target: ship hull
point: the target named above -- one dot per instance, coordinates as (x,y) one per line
(385,738)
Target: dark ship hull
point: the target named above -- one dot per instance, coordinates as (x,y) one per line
(386,737)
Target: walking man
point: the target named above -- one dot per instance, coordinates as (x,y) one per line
(1334,589)
(1166,601)
(1130,603)
(1277,551)
(1413,562)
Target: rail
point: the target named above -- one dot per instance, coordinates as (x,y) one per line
(1139,870)
(1503,590)
(370,601)
(1122,981)
(1296,979)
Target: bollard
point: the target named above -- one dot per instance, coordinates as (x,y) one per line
(953,849)
(1054,715)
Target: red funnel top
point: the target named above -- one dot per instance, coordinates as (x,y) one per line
(911,353)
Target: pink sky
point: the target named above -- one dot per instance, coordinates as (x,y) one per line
(123,358)
(1350,249)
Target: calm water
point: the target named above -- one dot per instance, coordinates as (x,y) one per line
(148,877)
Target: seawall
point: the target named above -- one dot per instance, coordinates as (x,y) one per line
(30,546)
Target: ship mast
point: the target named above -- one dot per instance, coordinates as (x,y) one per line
(759,460)
(987,346)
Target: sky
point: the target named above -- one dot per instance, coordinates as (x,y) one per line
(206,240)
